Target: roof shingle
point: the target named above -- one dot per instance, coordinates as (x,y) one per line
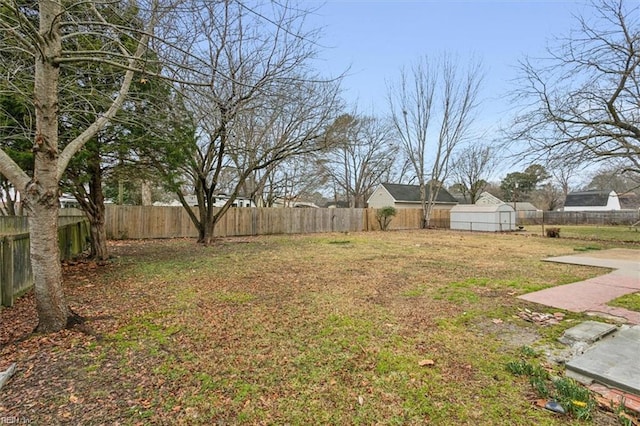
(587,198)
(411,193)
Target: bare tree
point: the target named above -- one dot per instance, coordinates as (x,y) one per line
(547,197)
(363,156)
(610,177)
(432,108)
(565,174)
(582,100)
(279,149)
(471,169)
(257,101)
(289,182)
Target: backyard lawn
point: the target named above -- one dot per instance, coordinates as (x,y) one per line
(407,327)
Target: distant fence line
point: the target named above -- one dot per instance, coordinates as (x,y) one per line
(16,276)
(612,217)
(140,222)
(137,222)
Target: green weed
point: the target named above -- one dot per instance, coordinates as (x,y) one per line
(587,248)
(573,397)
(628,301)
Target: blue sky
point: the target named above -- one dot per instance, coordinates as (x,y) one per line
(376,37)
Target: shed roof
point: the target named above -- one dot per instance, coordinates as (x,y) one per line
(411,193)
(481,208)
(587,198)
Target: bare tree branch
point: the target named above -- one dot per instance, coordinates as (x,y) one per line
(582,100)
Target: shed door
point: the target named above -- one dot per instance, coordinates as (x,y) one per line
(505,221)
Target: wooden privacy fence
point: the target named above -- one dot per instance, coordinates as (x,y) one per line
(612,217)
(14,224)
(408,219)
(138,222)
(15,261)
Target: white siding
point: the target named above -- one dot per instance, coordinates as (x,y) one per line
(487,218)
(381,198)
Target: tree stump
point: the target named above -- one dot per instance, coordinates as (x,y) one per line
(553,232)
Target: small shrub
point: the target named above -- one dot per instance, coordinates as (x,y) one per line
(528,352)
(384,216)
(553,232)
(523,368)
(539,384)
(573,397)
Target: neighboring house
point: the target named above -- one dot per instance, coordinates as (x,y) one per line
(486,199)
(592,201)
(292,202)
(68,201)
(406,197)
(218,201)
(305,204)
(629,201)
(337,205)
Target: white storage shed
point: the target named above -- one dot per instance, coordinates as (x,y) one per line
(487,218)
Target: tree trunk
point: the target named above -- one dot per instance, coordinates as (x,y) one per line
(425,206)
(97,229)
(53,312)
(145,193)
(98,234)
(41,194)
(209,228)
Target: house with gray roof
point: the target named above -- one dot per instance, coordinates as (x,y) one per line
(487,199)
(406,197)
(629,201)
(592,201)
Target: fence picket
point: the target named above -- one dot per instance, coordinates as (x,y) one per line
(16,276)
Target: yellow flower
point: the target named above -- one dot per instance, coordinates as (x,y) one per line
(579,403)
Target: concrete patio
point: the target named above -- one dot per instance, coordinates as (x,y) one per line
(612,358)
(592,295)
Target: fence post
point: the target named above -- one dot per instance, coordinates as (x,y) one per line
(7,271)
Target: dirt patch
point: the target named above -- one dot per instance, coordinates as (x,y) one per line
(512,335)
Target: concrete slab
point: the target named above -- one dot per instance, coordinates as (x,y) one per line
(587,332)
(613,361)
(601,263)
(628,259)
(592,295)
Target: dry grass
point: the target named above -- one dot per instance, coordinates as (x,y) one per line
(375,328)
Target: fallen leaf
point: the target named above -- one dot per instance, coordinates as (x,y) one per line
(497,321)
(360,400)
